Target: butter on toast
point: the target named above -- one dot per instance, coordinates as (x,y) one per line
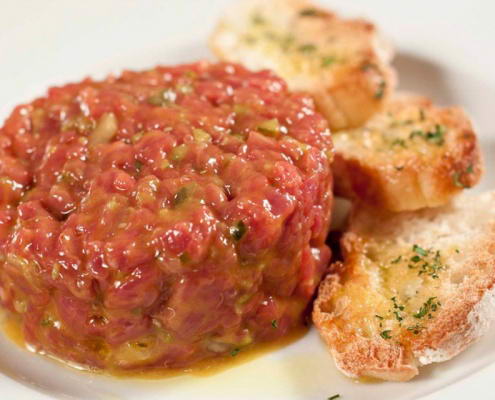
(410,156)
(343,63)
(414,288)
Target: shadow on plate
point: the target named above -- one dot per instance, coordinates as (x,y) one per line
(422,76)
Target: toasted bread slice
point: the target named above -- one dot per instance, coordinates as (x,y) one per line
(343,63)
(410,156)
(414,288)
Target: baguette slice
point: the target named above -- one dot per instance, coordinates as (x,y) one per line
(410,156)
(343,63)
(413,288)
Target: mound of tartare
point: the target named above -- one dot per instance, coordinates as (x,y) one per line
(163,217)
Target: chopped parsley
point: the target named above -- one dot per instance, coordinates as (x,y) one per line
(274,324)
(257,19)
(397,310)
(430,306)
(416,329)
(386,334)
(419,250)
(422,114)
(327,61)
(185,258)
(234,352)
(456,177)
(180,196)
(238,231)
(307,48)
(435,137)
(399,142)
(287,41)
(334,397)
(396,260)
(138,165)
(427,261)
(396,304)
(380,91)
(367,66)
(310,12)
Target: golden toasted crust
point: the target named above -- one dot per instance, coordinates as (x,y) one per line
(343,63)
(414,288)
(410,156)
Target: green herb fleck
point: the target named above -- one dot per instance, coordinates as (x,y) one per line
(456,177)
(399,142)
(327,61)
(395,261)
(138,165)
(367,66)
(274,324)
(427,308)
(310,12)
(416,132)
(307,48)
(434,137)
(416,329)
(234,352)
(419,250)
(380,91)
(398,317)
(180,196)
(422,114)
(334,397)
(397,305)
(184,258)
(378,316)
(238,231)
(257,19)
(427,261)
(386,334)
(287,41)
(437,136)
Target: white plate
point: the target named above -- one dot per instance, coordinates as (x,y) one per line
(445,51)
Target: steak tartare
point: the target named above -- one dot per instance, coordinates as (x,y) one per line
(163,217)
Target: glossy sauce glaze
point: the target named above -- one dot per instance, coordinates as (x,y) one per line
(159,218)
(11,327)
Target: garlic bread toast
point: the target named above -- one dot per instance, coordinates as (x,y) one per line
(410,156)
(414,288)
(343,63)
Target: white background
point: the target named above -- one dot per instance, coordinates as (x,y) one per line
(445,50)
